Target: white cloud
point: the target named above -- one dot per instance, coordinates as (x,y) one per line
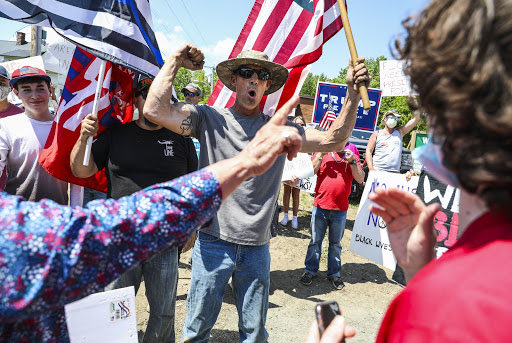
(168,42)
(218,52)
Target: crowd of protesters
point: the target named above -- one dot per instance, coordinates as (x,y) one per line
(52,254)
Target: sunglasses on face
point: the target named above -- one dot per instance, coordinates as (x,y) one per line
(247,73)
(189,94)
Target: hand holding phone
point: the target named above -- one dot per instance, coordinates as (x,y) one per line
(325,313)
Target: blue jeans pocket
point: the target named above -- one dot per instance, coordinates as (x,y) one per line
(206,238)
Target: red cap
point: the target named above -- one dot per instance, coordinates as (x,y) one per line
(28,71)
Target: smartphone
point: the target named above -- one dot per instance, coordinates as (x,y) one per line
(325,313)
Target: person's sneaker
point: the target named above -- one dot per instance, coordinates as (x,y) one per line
(306,279)
(284,221)
(295,222)
(337,283)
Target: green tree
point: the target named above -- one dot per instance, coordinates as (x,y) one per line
(183,78)
(311,82)
(373,68)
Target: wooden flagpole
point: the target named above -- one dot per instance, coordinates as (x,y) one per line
(363,91)
(99,85)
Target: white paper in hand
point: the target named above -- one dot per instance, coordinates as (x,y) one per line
(103,317)
(301,167)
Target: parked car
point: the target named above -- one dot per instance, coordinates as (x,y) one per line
(361,141)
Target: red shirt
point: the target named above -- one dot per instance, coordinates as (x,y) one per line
(464,296)
(334,181)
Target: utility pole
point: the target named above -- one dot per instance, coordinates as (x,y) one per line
(213,69)
(35,42)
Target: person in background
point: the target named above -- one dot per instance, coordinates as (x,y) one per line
(6,109)
(384,149)
(335,171)
(295,192)
(22,137)
(53,255)
(136,155)
(192,93)
(462,72)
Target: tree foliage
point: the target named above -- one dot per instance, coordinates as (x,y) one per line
(199,77)
(400,103)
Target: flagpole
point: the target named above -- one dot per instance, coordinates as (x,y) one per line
(99,85)
(363,91)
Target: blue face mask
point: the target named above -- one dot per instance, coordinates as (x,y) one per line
(431,156)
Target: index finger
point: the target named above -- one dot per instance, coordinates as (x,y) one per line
(280,116)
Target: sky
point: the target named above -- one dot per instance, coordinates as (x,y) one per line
(214,26)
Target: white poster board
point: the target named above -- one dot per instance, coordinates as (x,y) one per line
(103,317)
(301,167)
(393,81)
(369,235)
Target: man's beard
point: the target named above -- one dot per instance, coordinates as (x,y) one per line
(150,124)
(4,92)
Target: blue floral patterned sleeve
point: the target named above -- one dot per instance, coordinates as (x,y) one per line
(51,255)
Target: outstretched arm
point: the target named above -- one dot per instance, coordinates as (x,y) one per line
(72,252)
(410,227)
(338,134)
(158,108)
(415,117)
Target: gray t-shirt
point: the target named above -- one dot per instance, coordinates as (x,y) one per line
(245,216)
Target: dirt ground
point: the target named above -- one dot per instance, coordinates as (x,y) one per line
(368,289)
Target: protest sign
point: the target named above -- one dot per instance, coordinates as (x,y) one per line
(103,317)
(369,235)
(393,81)
(365,122)
(58,56)
(301,167)
(446,221)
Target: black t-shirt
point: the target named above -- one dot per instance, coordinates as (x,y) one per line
(135,158)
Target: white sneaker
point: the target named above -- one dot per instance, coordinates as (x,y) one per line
(284,221)
(295,222)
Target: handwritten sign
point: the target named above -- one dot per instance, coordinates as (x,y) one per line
(301,167)
(58,56)
(446,221)
(393,81)
(366,121)
(103,317)
(369,235)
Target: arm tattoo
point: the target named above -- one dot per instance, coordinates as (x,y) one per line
(186,125)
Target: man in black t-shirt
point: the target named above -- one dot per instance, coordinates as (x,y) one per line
(137,155)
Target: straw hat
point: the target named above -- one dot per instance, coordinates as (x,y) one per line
(278,73)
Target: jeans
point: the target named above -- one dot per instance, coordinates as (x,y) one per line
(214,261)
(161,280)
(320,219)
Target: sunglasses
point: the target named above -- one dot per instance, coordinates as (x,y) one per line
(189,94)
(247,73)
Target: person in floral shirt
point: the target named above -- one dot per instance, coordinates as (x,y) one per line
(51,255)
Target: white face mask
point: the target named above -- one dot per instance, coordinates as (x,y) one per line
(391,122)
(4,92)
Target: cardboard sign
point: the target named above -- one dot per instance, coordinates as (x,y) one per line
(393,81)
(103,317)
(446,221)
(301,167)
(369,235)
(365,121)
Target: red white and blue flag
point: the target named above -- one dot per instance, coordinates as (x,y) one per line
(291,33)
(114,107)
(327,120)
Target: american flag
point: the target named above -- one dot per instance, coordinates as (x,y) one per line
(116,31)
(329,116)
(290,32)
(115,107)
(327,120)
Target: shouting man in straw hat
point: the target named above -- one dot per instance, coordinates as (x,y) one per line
(235,243)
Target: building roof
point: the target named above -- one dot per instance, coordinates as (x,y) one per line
(11,49)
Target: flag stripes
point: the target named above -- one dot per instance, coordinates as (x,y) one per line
(115,30)
(290,32)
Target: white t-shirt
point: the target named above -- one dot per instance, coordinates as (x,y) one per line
(388,152)
(21,140)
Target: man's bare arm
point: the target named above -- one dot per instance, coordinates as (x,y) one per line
(411,123)
(317,161)
(369,150)
(158,108)
(338,134)
(89,129)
